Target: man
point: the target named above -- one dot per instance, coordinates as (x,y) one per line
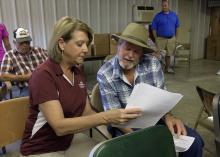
(165,27)
(18,64)
(132,65)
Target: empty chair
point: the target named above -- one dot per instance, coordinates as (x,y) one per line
(155,141)
(13,114)
(206,112)
(182,51)
(96,104)
(216,117)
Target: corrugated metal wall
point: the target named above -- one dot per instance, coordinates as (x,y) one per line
(199,28)
(39,16)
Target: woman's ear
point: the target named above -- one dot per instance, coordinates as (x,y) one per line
(61,44)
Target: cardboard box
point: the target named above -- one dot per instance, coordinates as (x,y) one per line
(113,44)
(101,44)
(90,50)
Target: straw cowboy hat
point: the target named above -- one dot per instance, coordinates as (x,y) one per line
(136,34)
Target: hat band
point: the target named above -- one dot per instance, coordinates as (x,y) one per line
(137,39)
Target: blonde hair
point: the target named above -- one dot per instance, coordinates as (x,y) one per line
(64,29)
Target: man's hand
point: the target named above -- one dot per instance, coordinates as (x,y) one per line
(175,125)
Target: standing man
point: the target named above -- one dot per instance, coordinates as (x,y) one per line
(165,27)
(19,63)
(131,66)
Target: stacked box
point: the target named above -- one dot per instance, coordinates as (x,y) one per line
(101,44)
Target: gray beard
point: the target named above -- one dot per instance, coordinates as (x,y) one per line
(128,66)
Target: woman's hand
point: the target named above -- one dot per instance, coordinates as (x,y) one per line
(120,116)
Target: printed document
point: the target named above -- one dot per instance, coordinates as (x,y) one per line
(182,143)
(154,103)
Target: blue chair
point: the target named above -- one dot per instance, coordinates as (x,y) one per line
(155,141)
(216,118)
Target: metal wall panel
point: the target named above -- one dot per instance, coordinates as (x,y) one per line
(37,23)
(103,16)
(199,28)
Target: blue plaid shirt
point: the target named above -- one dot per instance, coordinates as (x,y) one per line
(115,89)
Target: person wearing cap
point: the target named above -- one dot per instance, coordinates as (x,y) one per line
(133,65)
(18,64)
(59,104)
(165,27)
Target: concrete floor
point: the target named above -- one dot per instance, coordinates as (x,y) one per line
(203,74)
(184,81)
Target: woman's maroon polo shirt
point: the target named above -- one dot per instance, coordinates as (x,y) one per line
(48,83)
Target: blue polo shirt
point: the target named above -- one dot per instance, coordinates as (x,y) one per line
(165,24)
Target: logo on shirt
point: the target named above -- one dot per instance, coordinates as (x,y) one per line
(81,85)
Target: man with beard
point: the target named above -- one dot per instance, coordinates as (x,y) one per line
(18,64)
(133,65)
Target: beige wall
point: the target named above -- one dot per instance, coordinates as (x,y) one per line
(39,17)
(184,13)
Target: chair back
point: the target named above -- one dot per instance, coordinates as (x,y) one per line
(206,98)
(96,101)
(216,118)
(13,114)
(155,141)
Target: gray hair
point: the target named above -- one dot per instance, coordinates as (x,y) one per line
(64,29)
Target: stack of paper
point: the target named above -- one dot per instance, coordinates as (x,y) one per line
(153,101)
(182,143)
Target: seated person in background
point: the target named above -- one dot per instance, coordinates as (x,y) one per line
(18,64)
(132,65)
(59,105)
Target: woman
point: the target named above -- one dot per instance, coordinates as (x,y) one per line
(3,39)
(59,105)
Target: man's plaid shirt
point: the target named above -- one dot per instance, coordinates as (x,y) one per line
(19,64)
(115,89)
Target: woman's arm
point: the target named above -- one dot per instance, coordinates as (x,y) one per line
(53,113)
(6,43)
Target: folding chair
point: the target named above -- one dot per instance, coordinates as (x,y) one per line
(96,104)
(182,50)
(13,114)
(206,112)
(216,117)
(155,141)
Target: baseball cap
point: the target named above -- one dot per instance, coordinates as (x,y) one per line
(21,35)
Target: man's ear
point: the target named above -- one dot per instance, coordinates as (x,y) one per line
(61,44)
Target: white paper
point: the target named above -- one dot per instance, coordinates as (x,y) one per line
(154,103)
(182,143)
